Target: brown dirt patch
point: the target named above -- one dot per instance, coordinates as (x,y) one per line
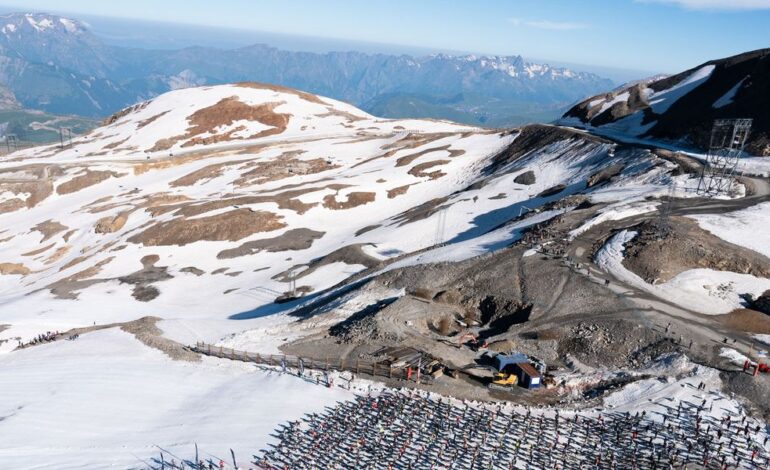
(38,191)
(229,226)
(746,320)
(150,119)
(57,255)
(423,211)
(282,167)
(172,161)
(111,224)
(117,143)
(354,199)
(398,191)
(73,262)
(295,239)
(284,200)
(206,173)
(406,160)
(332,112)
(89,272)
(685,246)
(39,250)
(49,228)
(146,331)
(225,113)
(11,205)
(416,140)
(419,169)
(85,179)
(13,268)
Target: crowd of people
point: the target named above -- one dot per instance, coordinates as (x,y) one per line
(46,337)
(410,431)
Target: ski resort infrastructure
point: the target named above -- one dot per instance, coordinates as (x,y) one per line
(253,276)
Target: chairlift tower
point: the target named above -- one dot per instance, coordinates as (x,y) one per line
(11,142)
(65,137)
(728,139)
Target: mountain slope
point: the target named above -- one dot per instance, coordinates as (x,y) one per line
(275,221)
(193,199)
(682,107)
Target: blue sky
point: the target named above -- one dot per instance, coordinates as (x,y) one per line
(649,35)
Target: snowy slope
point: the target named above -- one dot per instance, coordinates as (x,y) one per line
(201,205)
(106,400)
(704,291)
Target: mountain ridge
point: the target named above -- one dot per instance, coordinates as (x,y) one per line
(101,79)
(681,108)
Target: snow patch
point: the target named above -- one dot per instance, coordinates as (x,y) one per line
(747,227)
(704,291)
(728,97)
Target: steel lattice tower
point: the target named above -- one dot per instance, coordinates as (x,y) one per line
(728,139)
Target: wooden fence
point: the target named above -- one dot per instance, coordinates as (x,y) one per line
(371,368)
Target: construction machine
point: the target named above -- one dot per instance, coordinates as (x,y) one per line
(503,381)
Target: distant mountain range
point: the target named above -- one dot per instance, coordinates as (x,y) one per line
(681,108)
(57,65)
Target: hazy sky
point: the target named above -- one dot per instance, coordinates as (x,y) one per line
(654,35)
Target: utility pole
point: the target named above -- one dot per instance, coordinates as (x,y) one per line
(65,137)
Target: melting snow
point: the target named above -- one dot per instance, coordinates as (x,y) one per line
(703,291)
(749,228)
(661,101)
(728,97)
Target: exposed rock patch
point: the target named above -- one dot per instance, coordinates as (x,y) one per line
(13,268)
(527,178)
(49,228)
(552,191)
(295,239)
(354,199)
(111,224)
(604,175)
(85,179)
(419,169)
(658,254)
(193,270)
(762,303)
(145,330)
(143,279)
(231,226)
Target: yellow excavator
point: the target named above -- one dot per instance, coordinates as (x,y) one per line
(503,381)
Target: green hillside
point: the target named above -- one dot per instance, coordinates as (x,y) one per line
(36,127)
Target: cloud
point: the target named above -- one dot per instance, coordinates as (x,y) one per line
(547,24)
(716,4)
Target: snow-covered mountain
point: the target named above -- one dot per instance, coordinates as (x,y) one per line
(218,190)
(681,108)
(56,64)
(272,220)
